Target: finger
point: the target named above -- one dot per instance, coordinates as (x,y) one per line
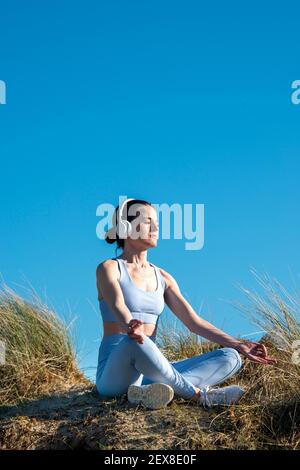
(133,334)
(136,325)
(268,360)
(135,321)
(257,359)
(263,349)
(260,349)
(135,331)
(261,360)
(138,337)
(272,360)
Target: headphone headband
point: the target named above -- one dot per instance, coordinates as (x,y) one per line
(120,210)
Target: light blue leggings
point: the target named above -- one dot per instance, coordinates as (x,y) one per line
(122,361)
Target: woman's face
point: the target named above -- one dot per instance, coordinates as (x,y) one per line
(146,227)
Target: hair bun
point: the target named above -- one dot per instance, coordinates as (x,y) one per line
(110,236)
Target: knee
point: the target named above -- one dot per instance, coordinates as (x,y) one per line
(233,355)
(100,390)
(105,393)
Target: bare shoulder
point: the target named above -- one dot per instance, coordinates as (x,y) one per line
(169,279)
(107,274)
(108,268)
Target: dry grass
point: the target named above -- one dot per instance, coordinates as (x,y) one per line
(267,417)
(39,353)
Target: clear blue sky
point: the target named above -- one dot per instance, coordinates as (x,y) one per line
(174,102)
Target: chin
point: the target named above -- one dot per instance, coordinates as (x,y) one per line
(152,242)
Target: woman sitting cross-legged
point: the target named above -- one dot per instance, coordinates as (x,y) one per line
(132,293)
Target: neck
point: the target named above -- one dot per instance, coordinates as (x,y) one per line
(138,257)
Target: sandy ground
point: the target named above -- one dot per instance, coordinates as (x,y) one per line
(79,419)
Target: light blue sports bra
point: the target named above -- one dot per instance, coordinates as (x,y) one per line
(144,306)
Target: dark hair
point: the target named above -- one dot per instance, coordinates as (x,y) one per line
(120,241)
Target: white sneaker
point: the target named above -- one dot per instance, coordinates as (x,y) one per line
(220,396)
(156,395)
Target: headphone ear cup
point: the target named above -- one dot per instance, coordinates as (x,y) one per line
(129,228)
(125,228)
(121,230)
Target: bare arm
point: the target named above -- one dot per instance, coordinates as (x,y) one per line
(256,352)
(184,311)
(107,278)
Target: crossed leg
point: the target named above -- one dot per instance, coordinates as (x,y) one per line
(211,368)
(140,364)
(130,361)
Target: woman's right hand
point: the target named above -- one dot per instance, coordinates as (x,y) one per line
(135,330)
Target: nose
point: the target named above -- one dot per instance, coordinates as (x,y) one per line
(154,233)
(155,227)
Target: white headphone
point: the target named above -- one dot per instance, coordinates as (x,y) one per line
(124,227)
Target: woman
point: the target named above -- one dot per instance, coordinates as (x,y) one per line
(132,293)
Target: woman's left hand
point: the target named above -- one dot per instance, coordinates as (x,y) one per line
(256,352)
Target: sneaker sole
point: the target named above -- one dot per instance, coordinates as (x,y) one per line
(156,395)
